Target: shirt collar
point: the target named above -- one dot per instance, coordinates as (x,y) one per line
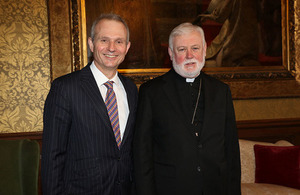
(101,78)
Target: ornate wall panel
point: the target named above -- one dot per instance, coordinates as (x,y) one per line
(257,109)
(297,38)
(61,38)
(24,64)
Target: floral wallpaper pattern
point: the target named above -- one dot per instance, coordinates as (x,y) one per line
(24,64)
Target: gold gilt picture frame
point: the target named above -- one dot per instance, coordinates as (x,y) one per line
(245,82)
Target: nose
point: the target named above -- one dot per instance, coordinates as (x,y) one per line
(111,47)
(189,54)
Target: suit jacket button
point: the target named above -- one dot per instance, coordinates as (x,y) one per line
(200,146)
(198,169)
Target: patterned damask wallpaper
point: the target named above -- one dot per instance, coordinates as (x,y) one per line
(24,64)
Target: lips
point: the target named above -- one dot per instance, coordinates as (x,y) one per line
(110,56)
(190,63)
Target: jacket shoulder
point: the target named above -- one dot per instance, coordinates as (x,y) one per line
(70,77)
(214,81)
(155,83)
(68,82)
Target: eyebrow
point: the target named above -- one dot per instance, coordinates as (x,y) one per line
(118,38)
(196,45)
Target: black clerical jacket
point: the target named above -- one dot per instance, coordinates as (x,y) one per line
(168,157)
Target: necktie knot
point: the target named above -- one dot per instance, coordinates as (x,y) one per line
(109,84)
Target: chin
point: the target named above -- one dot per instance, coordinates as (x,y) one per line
(192,74)
(188,74)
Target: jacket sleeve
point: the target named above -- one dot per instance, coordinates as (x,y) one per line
(142,148)
(57,122)
(232,149)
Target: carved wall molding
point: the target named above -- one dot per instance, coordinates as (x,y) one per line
(61,54)
(296,40)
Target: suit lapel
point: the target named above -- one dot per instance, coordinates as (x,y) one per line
(89,85)
(131,104)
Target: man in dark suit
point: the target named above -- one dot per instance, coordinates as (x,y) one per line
(186,138)
(87,145)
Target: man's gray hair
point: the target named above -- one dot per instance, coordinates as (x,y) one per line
(109,16)
(185,28)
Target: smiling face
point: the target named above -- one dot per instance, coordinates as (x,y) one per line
(188,54)
(109,46)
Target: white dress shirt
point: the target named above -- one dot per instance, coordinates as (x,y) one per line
(123,109)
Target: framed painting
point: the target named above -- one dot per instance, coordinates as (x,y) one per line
(270,74)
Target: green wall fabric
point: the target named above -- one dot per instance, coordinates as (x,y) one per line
(19,166)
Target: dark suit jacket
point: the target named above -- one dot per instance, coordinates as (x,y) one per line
(80,154)
(168,158)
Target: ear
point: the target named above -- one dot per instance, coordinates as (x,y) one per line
(128,46)
(170,53)
(91,44)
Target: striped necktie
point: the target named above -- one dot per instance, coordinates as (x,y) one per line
(112,109)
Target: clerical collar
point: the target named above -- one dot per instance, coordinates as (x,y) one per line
(190,80)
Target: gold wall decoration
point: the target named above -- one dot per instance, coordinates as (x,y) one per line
(61,53)
(297,39)
(274,108)
(24,64)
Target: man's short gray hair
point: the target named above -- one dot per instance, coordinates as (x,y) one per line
(185,28)
(109,16)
